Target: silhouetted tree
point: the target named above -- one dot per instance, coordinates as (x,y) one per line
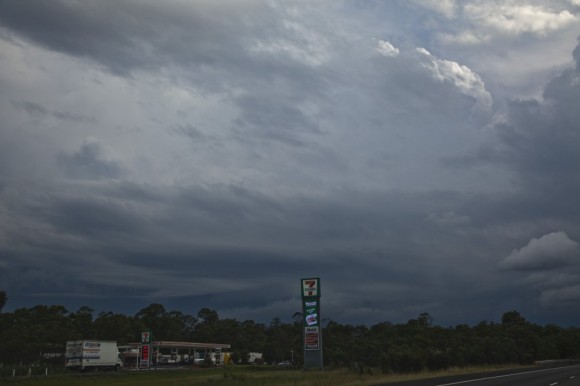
(3,299)
(82,322)
(207,328)
(121,328)
(413,346)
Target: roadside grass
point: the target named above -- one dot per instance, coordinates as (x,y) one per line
(237,376)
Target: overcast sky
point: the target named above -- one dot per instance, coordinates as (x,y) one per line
(417,156)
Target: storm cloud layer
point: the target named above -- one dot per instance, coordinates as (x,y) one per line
(417,156)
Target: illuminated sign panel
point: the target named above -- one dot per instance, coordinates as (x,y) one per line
(311,323)
(310,287)
(311,338)
(145,337)
(145,355)
(311,313)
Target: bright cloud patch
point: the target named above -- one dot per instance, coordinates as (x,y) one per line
(517,19)
(462,77)
(553,250)
(387,49)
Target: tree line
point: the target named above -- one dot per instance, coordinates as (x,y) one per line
(27,334)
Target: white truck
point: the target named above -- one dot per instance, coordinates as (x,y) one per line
(92,355)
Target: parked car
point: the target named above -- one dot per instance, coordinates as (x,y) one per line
(186,361)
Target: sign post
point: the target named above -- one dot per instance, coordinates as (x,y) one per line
(311,323)
(145,358)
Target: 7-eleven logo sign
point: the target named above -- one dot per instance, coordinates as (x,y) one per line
(310,287)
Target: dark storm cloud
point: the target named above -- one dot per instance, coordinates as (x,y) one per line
(540,138)
(298,148)
(208,230)
(274,120)
(108,32)
(193,133)
(539,142)
(91,218)
(36,109)
(88,163)
(124,36)
(80,29)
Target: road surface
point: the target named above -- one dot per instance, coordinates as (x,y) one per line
(542,376)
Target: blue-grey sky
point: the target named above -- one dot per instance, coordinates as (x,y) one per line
(417,156)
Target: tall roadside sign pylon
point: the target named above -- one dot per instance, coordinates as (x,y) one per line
(311,323)
(145,354)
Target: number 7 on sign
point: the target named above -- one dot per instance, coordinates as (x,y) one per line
(310,287)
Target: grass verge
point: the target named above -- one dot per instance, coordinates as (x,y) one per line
(235,376)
